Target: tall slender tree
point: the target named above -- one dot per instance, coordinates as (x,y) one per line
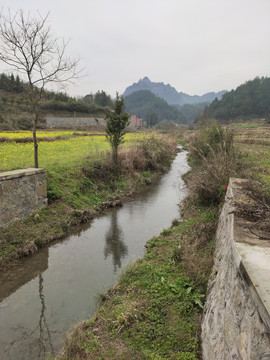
(117,121)
(29,47)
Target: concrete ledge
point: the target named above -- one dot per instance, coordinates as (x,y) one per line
(236,320)
(252,255)
(6,175)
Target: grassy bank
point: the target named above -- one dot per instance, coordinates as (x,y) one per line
(78,191)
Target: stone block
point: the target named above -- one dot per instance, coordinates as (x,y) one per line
(9,186)
(6,217)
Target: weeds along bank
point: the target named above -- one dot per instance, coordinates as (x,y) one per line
(154,312)
(81,188)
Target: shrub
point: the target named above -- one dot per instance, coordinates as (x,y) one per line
(152,153)
(24,123)
(210,141)
(214,162)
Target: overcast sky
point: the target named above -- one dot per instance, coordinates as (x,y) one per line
(197,46)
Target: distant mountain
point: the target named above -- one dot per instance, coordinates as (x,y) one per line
(147,105)
(169,93)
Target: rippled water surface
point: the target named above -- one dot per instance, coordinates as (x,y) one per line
(45,295)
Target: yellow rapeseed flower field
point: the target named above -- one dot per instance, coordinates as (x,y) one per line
(60,152)
(27,133)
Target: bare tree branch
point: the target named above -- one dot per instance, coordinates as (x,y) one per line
(28,46)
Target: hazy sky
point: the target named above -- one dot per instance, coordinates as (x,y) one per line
(197,46)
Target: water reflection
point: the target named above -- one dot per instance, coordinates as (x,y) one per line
(44,340)
(114,244)
(38,337)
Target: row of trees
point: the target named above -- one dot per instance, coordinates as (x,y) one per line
(11,83)
(100,98)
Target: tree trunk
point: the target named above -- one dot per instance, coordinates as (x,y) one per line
(115,155)
(35,140)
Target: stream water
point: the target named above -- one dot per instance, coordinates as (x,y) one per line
(47,294)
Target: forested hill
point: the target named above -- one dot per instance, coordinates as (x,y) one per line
(251,99)
(169,93)
(151,108)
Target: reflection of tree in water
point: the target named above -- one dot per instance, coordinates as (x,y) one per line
(40,337)
(114,242)
(44,330)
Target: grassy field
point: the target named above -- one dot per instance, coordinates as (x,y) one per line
(68,150)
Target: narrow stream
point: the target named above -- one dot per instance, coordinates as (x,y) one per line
(46,295)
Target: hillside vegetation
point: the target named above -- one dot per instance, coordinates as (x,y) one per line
(16,113)
(249,100)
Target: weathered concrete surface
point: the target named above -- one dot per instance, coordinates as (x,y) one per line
(236,323)
(21,193)
(73,122)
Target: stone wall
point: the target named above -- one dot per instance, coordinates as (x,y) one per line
(236,323)
(21,193)
(73,122)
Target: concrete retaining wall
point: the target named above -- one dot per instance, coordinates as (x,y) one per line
(21,193)
(73,122)
(236,324)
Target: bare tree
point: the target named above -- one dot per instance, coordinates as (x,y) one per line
(28,46)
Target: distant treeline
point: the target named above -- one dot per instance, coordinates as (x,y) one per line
(11,83)
(251,99)
(52,101)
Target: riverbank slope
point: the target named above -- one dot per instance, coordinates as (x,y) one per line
(82,191)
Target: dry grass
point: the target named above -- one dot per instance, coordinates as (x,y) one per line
(149,154)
